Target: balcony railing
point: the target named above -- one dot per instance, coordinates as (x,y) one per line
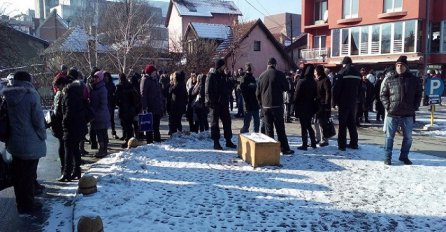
(315,54)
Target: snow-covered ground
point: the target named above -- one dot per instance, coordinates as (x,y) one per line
(184,185)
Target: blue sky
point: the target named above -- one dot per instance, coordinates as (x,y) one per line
(266,7)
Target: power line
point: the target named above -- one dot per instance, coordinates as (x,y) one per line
(263,7)
(278,24)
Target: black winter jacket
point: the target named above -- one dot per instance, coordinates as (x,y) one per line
(401,94)
(248,86)
(347,87)
(217,90)
(74,106)
(305,97)
(177,100)
(127,100)
(272,84)
(323,96)
(369,95)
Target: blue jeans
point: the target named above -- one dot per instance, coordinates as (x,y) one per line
(247,120)
(392,124)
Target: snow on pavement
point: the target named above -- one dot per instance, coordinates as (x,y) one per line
(184,185)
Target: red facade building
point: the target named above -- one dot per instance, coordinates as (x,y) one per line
(375,33)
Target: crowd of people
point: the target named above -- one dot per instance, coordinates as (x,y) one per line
(86,106)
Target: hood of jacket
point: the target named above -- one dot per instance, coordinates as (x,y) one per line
(15,94)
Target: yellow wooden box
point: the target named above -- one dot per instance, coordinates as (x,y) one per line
(258,149)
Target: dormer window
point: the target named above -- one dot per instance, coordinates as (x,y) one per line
(393,6)
(350,9)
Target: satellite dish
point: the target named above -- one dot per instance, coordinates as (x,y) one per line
(325,15)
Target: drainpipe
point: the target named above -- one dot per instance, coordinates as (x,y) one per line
(427,37)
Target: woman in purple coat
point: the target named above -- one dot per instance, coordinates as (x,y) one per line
(99,103)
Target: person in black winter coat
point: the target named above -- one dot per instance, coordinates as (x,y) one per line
(127,100)
(248,87)
(74,124)
(269,93)
(401,97)
(323,99)
(111,89)
(177,101)
(56,123)
(198,104)
(345,96)
(135,81)
(152,101)
(380,113)
(288,97)
(368,98)
(191,98)
(305,105)
(165,86)
(217,99)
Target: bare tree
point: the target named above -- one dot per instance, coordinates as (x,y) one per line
(234,46)
(129,27)
(198,55)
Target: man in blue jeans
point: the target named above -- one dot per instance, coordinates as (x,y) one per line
(401,97)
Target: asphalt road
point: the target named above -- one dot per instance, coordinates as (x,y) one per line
(48,170)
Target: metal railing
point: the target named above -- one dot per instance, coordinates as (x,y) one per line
(315,54)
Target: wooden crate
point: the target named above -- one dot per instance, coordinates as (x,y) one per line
(258,149)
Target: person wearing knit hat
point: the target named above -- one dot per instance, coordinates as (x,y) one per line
(345,96)
(219,63)
(270,98)
(22,76)
(401,65)
(152,101)
(401,97)
(272,61)
(347,60)
(149,69)
(217,90)
(98,76)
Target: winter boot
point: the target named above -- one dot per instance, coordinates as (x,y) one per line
(94,145)
(405,160)
(114,135)
(304,145)
(230,144)
(217,145)
(76,174)
(102,150)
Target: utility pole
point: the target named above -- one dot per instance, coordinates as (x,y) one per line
(291,35)
(427,36)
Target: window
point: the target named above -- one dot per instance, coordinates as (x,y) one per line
(364,40)
(435,37)
(345,42)
(335,43)
(393,6)
(354,41)
(379,39)
(386,34)
(350,9)
(319,42)
(398,37)
(320,10)
(257,46)
(375,45)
